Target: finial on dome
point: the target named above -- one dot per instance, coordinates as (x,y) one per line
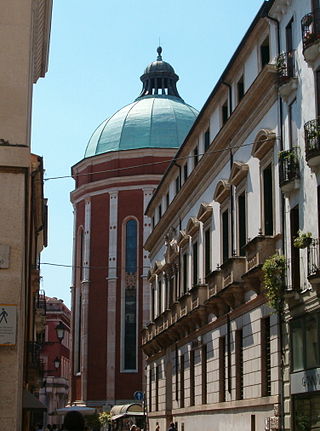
(159,51)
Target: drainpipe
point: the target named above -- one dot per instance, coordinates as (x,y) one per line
(280,317)
(233,251)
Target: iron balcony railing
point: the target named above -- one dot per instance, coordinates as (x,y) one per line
(40,301)
(313,258)
(286,66)
(310,27)
(312,138)
(34,355)
(289,165)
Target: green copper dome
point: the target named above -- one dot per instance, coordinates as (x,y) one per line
(158,118)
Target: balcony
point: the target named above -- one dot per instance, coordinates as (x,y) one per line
(286,69)
(312,142)
(314,263)
(310,27)
(289,173)
(257,251)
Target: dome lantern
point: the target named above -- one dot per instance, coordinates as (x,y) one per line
(158,118)
(159,78)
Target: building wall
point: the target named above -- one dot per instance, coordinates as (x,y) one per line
(114,198)
(18,282)
(213,343)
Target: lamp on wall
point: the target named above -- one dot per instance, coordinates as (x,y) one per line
(57,362)
(60,330)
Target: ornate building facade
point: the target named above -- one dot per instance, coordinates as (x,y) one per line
(247,195)
(123,164)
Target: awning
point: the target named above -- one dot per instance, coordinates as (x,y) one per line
(77,408)
(30,402)
(123,415)
(124,410)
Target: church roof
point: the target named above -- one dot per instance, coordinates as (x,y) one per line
(158,118)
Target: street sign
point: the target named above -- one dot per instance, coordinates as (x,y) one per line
(8,317)
(138,396)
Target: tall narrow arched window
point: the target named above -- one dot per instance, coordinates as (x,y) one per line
(78,300)
(130,296)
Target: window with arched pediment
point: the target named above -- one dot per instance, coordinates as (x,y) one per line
(222,195)
(238,178)
(129,361)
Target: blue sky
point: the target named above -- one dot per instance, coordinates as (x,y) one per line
(98,51)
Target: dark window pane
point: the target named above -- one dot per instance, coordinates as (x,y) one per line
(225,236)
(195,263)
(206,140)
(196,156)
(268,200)
(207,251)
(225,113)
(130,296)
(297,345)
(265,52)
(242,223)
(240,88)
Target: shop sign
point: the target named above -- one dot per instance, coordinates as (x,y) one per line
(305,381)
(8,320)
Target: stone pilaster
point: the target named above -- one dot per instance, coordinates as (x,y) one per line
(111,297)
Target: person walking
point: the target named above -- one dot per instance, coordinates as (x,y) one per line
(172,427)
(73,421)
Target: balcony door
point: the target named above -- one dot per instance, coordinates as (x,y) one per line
(289,49)
(295,253)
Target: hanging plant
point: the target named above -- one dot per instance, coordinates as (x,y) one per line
(104,418)
(303,240)
(274,269)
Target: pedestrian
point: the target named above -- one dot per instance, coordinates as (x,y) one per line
(73,421)
(172,427)
(39,427)
(157,427)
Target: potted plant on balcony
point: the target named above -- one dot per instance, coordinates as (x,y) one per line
(303,240)
(289,156)
(281,66)
(274,269)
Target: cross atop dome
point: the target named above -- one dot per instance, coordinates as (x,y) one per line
(159,78)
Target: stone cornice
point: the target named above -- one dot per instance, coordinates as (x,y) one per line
(139,153)
(113,184)
(257,101)
(42,12)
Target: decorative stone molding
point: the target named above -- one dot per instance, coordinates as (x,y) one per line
(222,191)
(205,212)
(192,226)
(263,143)
(239,171)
